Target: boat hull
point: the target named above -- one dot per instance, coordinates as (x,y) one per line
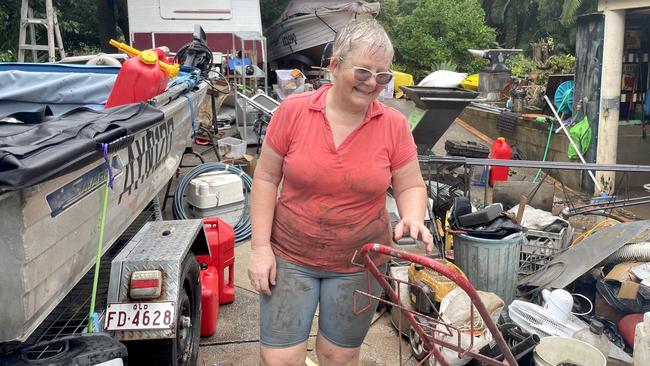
(307,34)
(49,232)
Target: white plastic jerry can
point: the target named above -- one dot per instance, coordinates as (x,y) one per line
(642,342)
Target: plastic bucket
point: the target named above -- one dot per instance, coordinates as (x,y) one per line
(490,265)
(552,351)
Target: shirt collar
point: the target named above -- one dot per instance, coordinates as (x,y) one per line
(317,103)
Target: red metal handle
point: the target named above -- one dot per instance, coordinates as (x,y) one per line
(457,278)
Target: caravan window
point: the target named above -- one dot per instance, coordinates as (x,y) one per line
(195,9)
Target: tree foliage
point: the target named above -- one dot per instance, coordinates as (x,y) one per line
(522,22)
(271,10)
(78,21)
(439,31)
(425,32)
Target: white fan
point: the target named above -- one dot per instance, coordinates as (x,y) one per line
(535,319)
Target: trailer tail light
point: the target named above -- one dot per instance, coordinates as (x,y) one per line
(145,284)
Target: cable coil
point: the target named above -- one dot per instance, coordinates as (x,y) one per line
(243,227)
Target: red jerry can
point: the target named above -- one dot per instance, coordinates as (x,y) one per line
(214,290)
(221,238)
(209,300)
(500,150)
(139,80)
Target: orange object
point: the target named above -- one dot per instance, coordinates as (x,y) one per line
(500,150)
(140,79)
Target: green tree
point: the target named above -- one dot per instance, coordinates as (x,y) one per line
(9,23)
(439,31)
(271,10)
(79,21)
(519,23)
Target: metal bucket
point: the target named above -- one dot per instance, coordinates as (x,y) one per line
(490,265)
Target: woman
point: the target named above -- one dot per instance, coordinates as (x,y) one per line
(336,150)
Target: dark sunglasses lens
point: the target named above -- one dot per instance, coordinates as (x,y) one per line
(362,75)
(384,77)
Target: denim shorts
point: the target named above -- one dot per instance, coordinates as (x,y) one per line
(286,316)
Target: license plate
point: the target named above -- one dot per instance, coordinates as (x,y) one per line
(139,316)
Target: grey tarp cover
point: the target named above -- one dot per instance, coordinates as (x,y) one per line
(302,7)
(31,153)
(28,91)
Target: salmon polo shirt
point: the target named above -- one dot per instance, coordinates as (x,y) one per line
(332,200)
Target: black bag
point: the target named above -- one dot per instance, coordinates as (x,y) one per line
(497,228)
(608,289)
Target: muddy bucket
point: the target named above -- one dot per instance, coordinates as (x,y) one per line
(553,351)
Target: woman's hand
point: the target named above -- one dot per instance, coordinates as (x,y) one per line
(416,230)
(261,269)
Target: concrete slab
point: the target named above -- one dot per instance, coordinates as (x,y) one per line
(242,254)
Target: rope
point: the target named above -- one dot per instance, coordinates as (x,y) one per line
(608,222)
(189,102)
(100,241)
(242,228)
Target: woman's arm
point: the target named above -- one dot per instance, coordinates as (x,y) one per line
(268,174)
(411,197)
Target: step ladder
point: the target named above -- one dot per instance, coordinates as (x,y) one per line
(51,24)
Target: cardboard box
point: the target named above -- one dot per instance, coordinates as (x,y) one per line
(629,285)
(628,290)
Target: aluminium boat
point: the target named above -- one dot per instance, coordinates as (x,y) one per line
(304,28)
(53,174)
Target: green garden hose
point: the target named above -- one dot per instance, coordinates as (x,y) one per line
(548,143)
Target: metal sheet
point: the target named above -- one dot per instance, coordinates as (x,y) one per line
(533,164)
(159,245)
(577,260)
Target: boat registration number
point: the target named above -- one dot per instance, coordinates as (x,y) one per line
(140,316)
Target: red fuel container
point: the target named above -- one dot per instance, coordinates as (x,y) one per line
(500,150)
(209,301)
(221,239)
(139,80)
(214,290)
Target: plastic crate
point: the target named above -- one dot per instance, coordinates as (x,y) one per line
(231,148)
(288,84)
(541,248)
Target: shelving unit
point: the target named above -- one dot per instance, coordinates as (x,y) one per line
(634,84)
(256,44)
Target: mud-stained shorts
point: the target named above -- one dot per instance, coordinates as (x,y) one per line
(286,316)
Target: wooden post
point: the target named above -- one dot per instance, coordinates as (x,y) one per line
(49,9)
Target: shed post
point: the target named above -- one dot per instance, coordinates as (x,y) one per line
(610,95)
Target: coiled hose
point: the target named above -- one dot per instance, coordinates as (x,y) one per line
(637,252)
(243,227)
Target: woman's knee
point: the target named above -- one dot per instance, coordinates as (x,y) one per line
(330,354)
(289,356)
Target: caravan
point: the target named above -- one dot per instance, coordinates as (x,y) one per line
(170,22)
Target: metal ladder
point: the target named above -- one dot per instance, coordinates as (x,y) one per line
(51,24)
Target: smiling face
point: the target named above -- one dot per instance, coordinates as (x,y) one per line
(359,94)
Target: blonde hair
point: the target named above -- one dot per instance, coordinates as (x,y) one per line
(365,34)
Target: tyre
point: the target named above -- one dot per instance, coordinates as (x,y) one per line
(417,345)
(184,349)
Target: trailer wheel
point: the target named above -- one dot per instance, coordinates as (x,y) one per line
(188,322)
(184,349)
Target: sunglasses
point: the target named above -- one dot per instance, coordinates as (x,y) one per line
(363,74)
